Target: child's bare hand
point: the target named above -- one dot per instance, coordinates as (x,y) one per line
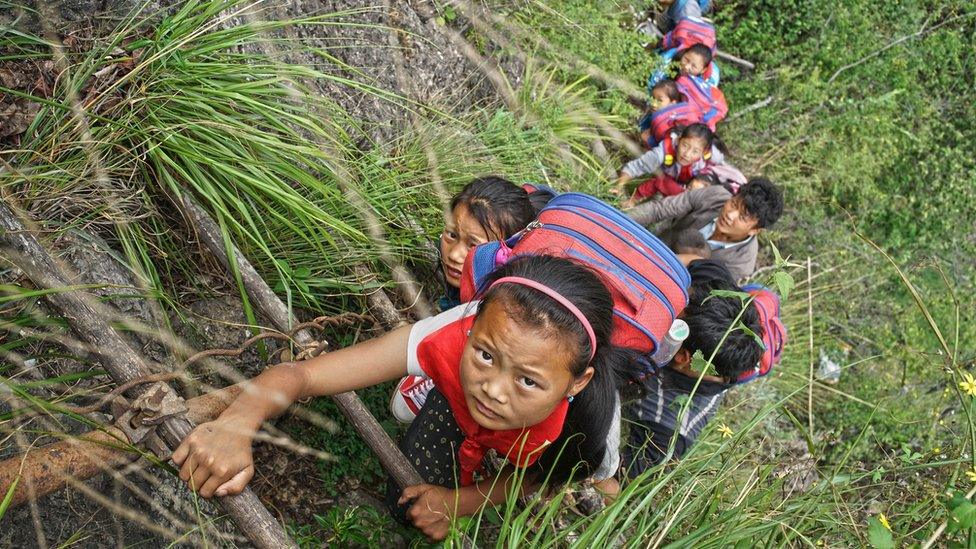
(432,511)
(627,204)
(215,459)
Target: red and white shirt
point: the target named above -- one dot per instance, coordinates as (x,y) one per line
(435,347)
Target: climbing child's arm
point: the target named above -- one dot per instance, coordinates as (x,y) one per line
(216,457)
(644,164)
(669,207)
(621,185)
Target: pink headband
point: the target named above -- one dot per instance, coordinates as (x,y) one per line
(559,298)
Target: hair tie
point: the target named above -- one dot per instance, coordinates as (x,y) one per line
(559,298)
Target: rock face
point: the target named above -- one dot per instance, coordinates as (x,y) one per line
(400,47)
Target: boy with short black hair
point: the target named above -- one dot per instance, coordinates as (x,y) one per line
(730,223)
(656,417)
(689,244)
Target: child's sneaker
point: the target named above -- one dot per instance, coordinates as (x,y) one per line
(409,397)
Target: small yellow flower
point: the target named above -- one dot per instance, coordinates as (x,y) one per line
(971,474)
(968,385)
(884,521)
(937,450)
(726,431)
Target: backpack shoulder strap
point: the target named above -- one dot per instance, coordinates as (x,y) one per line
(669,149)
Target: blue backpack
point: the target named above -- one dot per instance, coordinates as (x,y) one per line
(647,281)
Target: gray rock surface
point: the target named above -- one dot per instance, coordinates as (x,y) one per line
(367,40)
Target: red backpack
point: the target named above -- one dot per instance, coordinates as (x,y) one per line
(647,281)
(773,331)
(664,120)
(709,99)
(689,32)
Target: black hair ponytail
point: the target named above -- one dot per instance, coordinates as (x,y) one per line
(501,207)
(582,445)
(719,144)
(539,198)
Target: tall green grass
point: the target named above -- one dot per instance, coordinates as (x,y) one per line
(246,135)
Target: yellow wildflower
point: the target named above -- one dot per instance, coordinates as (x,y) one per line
(937,450)
(726,431)
(971,474)
(968,385)
(884,521)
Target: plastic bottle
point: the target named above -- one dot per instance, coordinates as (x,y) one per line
(829,371)
(671,343)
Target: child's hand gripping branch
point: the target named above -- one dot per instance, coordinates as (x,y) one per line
(504,368)
(216,459)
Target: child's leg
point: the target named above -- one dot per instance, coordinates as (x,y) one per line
(660,183)
(668,186)
(431,445)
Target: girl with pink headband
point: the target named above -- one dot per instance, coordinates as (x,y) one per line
(526,372)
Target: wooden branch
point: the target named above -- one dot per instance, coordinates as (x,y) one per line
(754,107)
(123,364)
(725,56)
(51,468)
(272,307)
(925,29)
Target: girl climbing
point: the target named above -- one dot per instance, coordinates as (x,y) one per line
(696,61)
(668,110)
(528,372)
(681,156)
(693,44)
(488,208)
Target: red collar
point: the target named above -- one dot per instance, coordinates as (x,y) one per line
(440,357)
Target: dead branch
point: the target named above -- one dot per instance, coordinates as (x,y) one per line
(81,311)
(754,107)
(925,29)
(81,457)
(725,56)
(272,307)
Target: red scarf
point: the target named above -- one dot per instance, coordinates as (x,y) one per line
(439,354)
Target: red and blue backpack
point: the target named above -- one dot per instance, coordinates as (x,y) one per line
(647,281)
(773,331)
(709,98)
(688,32)
(662,121)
